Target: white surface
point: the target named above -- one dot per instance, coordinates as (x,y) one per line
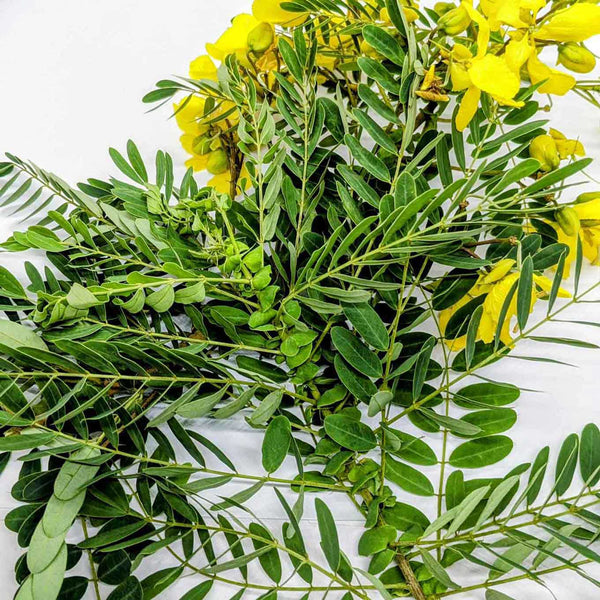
(72,76)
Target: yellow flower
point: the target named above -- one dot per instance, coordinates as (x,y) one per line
(410,13)
(203,67)
(496,286)
(588,231)
(270,11)
(555,82)
(235,39)
(566,148)
(187,114)
(431,89)
(574,24)
(516,13)
(482,73)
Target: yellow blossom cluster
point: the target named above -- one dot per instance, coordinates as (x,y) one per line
(511,34)
(496,285)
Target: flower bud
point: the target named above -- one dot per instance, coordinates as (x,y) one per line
(568,220)
(587,197)
(261,38)
(455,21)
(543,148)
(576,58)
(441,8)
(201,145)
(218,162)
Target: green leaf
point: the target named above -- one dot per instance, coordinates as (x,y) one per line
(25,441)
(384,43)
(404,516)
(375,131)
(270,561)
(456,426)
(266,409)
(356,353)
(193,409)
(414,450)
(566,464)
(360,387)
(378,402)
(349,433)
(557,176)
(158,582)
(276,443)
(589,459)
(496,595)
(377,539)
(536,477)
(525,292)
(198,592)
(114,567)
(130,589)
(485,395)
(10,286)
(373,69)
(15,335)
(329,535)
(162,299)
(374,165)
(481,452)
(436,569)
(407,478)
(492,421)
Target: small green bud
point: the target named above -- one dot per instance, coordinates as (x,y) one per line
(587,197)
(441,8)
(218,162)
(543,148)
(454,21)
(261,317)
(568,220)
(201,145)
(576,58)
(261,38)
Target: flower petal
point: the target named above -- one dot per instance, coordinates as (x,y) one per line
(203,67)
(492,74)
(557,83)
(270,11)
(468,107)
(574,24)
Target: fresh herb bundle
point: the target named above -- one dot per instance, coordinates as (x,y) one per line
(361,254)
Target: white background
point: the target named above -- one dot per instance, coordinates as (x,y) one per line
(72,74)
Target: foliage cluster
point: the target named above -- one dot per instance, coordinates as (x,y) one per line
(386,210)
